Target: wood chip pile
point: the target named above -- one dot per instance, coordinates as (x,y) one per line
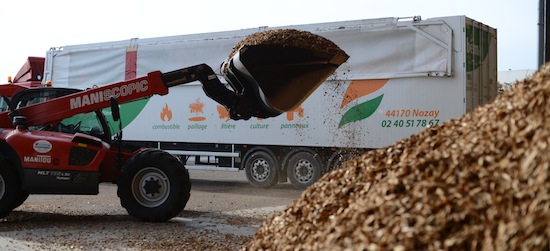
(479,182)
(288,37)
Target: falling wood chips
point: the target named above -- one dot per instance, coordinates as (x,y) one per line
(479,182)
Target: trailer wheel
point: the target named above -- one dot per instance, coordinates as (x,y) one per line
(10,188)
(261,169)
(303,169)
(154,186)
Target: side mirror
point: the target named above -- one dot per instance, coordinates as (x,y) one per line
(115,110)
(20,121)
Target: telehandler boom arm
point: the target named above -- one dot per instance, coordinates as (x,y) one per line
(155,83)
(264,80)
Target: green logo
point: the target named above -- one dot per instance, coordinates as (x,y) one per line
(361,111)
(477,46)
(356,90)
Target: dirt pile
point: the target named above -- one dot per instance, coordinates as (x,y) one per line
(479,182)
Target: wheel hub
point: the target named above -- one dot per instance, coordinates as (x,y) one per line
(151,187)
(303,171)
(260,170)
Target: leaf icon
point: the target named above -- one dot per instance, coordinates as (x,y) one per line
(360,88)
(361,111)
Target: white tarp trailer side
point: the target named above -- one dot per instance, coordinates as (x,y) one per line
(402,76)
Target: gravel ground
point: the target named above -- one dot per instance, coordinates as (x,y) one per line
(224,213)
(24,230)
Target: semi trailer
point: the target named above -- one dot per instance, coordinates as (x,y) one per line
(403,75)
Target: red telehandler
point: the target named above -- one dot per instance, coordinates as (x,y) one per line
(59,140)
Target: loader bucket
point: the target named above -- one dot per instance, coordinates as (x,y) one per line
(275,71)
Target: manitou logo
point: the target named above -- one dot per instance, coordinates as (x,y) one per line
(105,95)
(38,159)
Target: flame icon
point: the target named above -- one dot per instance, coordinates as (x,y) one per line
(166,113)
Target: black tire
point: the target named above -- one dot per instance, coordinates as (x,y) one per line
(261,169)
(154,186)
(303,169)
(10,188)
(21,198)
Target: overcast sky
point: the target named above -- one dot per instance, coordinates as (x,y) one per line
(31,27)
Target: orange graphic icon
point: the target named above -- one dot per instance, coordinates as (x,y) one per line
(196,108)
(223,113)
(360,88)
(166,113)
(299,111)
